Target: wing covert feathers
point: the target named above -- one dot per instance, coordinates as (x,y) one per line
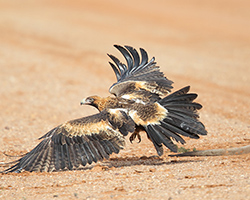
(78,142)
(138,78)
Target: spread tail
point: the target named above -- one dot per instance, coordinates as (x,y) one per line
(181,120)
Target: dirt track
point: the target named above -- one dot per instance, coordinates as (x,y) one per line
(53,54)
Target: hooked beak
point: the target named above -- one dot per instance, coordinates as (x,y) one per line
(85,101)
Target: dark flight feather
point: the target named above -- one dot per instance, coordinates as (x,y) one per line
(136,57)
(127,56)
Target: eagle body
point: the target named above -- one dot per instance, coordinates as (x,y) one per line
(141,103)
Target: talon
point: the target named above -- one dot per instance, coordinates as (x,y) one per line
(139,138)
(132,137)
(131,140)
(135,135)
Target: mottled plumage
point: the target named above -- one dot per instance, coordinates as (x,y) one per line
(141,103)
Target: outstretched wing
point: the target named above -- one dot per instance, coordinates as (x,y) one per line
(78,142)
(140,78)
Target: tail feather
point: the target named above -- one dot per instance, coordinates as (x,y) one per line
(165,138)
(171,134)
(187,98)
(183,113)
(153,136)
(181,119)
(170,125)
(184,90)
(188,124)
(183,105)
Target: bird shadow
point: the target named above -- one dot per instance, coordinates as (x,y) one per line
(135,161)
(144,160)
(128,161)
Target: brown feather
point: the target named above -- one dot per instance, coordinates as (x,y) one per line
(147,114)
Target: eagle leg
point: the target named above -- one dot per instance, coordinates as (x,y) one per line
(135,134)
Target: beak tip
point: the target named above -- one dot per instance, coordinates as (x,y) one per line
(83,102)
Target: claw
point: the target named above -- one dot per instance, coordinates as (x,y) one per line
(133,136)
(139,138)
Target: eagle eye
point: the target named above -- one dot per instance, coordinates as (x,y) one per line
(90,100)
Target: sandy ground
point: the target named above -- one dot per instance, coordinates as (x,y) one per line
(53,54)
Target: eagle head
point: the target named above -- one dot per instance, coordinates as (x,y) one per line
(95,101)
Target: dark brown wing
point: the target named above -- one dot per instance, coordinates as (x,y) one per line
(140,78)
(78,142)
